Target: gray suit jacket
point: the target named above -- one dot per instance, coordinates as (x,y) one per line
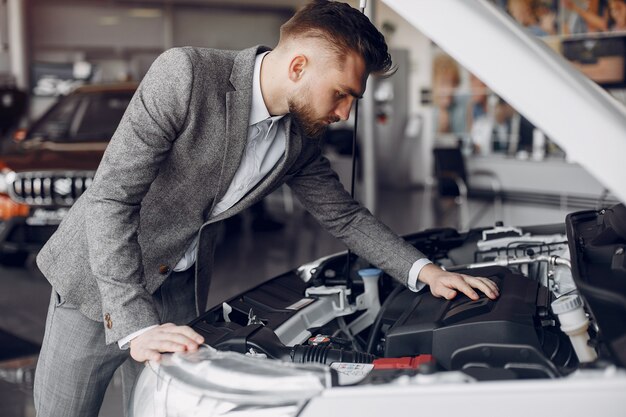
(170,161)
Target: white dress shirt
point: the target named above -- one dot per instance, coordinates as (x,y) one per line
(265,146)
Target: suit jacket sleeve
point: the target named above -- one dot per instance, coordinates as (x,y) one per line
(151,123)
(317,186)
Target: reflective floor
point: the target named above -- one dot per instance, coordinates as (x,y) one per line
(244,259)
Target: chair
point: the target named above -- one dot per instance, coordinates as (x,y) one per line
(451,180)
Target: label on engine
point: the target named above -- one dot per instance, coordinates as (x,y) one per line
(351,373)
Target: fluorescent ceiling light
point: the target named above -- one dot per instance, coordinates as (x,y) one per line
(108,20)
(145,13)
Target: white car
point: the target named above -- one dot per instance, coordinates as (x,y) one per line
(332,340)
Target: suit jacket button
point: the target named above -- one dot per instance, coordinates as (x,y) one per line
(164,269)
(107,319)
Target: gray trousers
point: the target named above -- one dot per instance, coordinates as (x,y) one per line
(75,366)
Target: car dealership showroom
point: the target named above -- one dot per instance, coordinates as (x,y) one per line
(281,208)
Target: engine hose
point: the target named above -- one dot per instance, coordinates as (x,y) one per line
(327,355)
(379,318)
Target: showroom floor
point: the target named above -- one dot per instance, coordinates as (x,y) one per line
(24,293)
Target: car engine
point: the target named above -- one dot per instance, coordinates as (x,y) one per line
(344,324)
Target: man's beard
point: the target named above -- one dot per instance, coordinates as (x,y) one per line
(301,110)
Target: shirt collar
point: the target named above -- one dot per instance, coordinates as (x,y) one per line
(259,111)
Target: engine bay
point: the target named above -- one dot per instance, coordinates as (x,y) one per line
(340,337)
(326,313)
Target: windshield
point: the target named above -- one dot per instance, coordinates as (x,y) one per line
(55,124)
(83,117)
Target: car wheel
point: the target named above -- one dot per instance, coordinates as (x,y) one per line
(16,259)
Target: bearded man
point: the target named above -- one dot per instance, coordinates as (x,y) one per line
(207,134)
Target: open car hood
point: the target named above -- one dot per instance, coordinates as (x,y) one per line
(581,117)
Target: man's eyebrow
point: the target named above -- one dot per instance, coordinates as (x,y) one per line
(352,92)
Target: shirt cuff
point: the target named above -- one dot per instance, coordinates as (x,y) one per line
(125,342)
(413,284)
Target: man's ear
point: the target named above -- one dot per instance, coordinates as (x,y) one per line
(297,67)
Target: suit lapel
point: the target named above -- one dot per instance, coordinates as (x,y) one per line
(236,137)
(238,103)
(293,146)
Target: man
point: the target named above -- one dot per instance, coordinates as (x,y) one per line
(207,134)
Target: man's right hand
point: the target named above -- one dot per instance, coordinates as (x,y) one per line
(164,338)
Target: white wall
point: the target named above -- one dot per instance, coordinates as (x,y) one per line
(225,29)
(62,32)
(78,26)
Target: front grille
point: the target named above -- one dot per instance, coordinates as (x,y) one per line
(52,188)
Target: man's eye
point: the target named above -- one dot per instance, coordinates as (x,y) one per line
(339,94)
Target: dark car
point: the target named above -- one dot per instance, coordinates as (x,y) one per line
(47,167)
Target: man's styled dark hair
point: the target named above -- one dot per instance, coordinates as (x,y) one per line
(345,29)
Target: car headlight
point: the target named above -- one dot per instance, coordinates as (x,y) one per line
(6,179)
(213,383)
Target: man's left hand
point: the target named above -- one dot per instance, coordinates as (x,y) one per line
(447,284)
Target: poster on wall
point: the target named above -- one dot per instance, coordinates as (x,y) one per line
(567,17)
(56,79)
(590,34)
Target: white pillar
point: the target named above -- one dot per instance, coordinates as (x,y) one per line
(367,134)
(4,51)
(16,21)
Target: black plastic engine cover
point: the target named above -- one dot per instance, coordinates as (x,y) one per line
(495,333)
(273,303)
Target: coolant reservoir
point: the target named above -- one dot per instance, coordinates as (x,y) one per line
(574,323)
(370,277)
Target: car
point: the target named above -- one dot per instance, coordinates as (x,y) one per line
(340,338)
(49,165)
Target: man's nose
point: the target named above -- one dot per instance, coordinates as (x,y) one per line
(343,109)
